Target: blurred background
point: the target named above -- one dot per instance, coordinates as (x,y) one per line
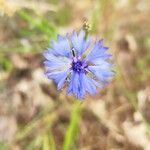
(35,116)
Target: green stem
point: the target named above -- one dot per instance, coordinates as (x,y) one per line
(73,126)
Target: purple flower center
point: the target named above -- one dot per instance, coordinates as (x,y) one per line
(78,65)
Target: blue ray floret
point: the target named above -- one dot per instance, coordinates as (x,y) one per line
(67,64)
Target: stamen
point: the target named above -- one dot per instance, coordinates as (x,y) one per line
(73,52)
(78,65)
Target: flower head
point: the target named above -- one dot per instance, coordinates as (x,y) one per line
(66,64)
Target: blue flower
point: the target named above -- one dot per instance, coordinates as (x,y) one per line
(67,64)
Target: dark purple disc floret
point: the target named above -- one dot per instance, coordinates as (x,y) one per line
(78,65)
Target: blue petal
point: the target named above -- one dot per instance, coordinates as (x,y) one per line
(59,37)
(76,85)
(51,58)
(53,62)
(58,77)
(61,46)
(80,83)
(102,63)
(90,85)
(98,51)
(102,73)
(79,42)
